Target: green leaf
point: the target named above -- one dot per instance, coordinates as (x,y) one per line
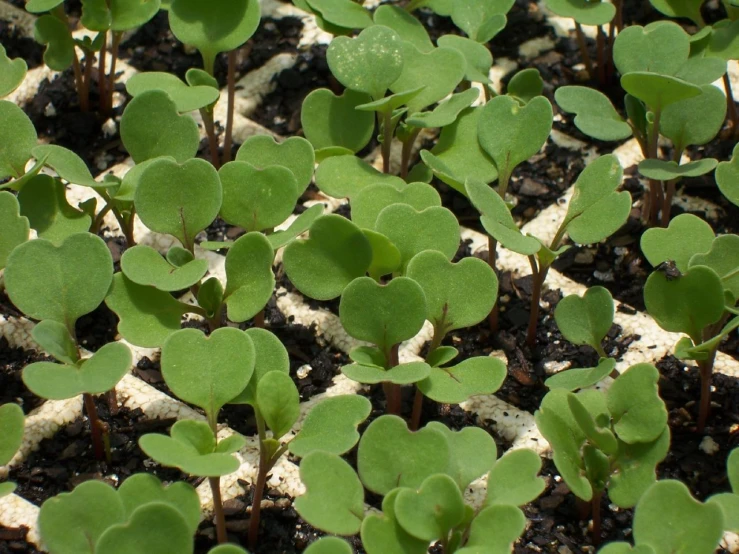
(178,199)
(336,253)
(54,338)
(478,58)
(391,103)
(433,510)
(497,220)
(413,231)
(7,488)
(372,199)
(129,14)
(403,374)
(271,355)
(295,154)
(369,63)
(660,47)
(686,304)
(143,488)
(391,456)
(727,177)
(635,468)
(702,70)
(210,296)
(384,315)
(447,285)
(342,176)
(14,227)
(329,120)
(331,426)
(147,315)
(208,371)
(494,530)
(54,33)
(342,13)
(480,19)
(472,452)
(170,534)
(586,319)
(151,127)
(334,497)
(514,479)
(145,266)
(96,15)
(446,112)
(663,170)
(96,375)
(723,42)
(633,399)
(723,258)
(12,73)
(439,71)
(68,165)
(382,534)
(368,355)
(408,27)
(45,281)
(658,91)
(72,522)
(472,377)
(690,9)
(694,121)
(11,423)
(583,11)
(219,26)
(668,519)
(599,436)
(41,6)
(511,133)
(594,113)
(17,139)
(299,226)
(186,98)
(581,378)
(329,545)
(441,355)
(43,201)
(729,504)
(685,236)
(233,549)
(385,255)
(278,402)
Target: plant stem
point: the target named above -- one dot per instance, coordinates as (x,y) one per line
(392,391)
(387,139)
(418,398)
(117,36)
(95,427)
(706,370)
(215,487)
(583,45)
(102,91)
(731,105)
(656,195)
(89,61)
(98,221)
(79,84)
(492,262)
(595,503)
(407,151)
(600,43)
(538,275)
(259,319)
(210,130)
(256,503)
(601,352)
(230,109)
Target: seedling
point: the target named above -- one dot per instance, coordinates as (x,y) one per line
(729,501)
(727,177)
(12,72)
(701,299)
(608,440)
(596,211)
(421,476)
(11,425)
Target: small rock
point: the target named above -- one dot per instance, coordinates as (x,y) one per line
(551,502)
(237,525)
(529,187)
(233,506)
(585,257)
(709,446)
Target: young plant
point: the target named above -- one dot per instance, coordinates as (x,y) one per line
(668,519)
(595,211)
(699,296)
(11,433)
(45,281)
(12,72)
(729,501)
(608,440)
(421,476)
(14,229)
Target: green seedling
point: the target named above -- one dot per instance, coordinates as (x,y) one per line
(186,97)
(338,17)
(596,211)
(729,501)
(699,296)
(11,425)
(421,476)
(479,19)
(330,545)
(668,519)
(608,440)
(12,72)
(14,228)
(17,139)
(142,516)
(727,177)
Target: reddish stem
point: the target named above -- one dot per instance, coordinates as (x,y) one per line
(102,90)
(230,108)
(220,516)
(96,433)
(596,513)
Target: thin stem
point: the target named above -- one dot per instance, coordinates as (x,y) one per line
(102,91)
(98,221)
(706,370)
(600,44)
(230,109)
(96,433)
(418,397)
(392,392)
(117,36)
(670,191)
(387,139)
(79,84)
(256,504)
(596,512)
(601,352)
(407,151)
(582,44)
(731,105)
(210,130)
(656,195)
(89,61)
(492,262)
(215,487)
(537,279)
(259,319)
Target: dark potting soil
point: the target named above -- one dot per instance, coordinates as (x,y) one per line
(19,46)
(12,389)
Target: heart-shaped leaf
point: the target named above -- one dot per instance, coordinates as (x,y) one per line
(95,15)
(257,199)
(686,304)
(278,402)
(685,236)
(494,530)
(433,510)
(446,286)
(329,120)
(72,522)
(446,112)
(696,120)
(511,133)
(701,70)
(170,535)
(658,91)
(723,258)
(11,422)
(335,253)
(723,41)
(514,480)
(17,139)
(96,375)
(186,98)
(478,57)
(439,71)
(129,14)
(12,73)
(45,281)
(526,85)
(208,371)
(369,63)
(295,154)
(594,114)
(586,319)
(408,27)
(583,12)
(727,177)
(54,33)
(635,405)
(660,47)
(331,425)
(391,456)
(178,199)
(413,231)
(385,255)
(151,127)
(472,452)
(221,26)
(663,170)
(481,19)
(342,176)
(636,469)
(145,266)
(334,497)
(403,374)
(14,227)
(371,200)
(453,385)
(271,355)
(54,338)
(147,315)
(581,378)
(383,533)
(143,488)
(384,315)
